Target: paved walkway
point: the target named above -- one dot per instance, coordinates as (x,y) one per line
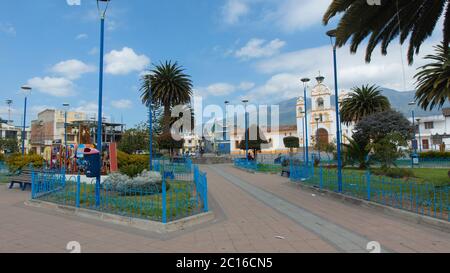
(255,213)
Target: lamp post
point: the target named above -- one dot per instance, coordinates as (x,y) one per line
(26,91)
(420,137)
(332,35)
(102,6)
(246,129)
(414,142)
(225,122)
(305,82)
(9,103)
(317,136)
(66,108)
(303,140)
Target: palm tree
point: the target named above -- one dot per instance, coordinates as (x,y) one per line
(413,19)
(356,152)
(362,102)
(433,81)
(169,86)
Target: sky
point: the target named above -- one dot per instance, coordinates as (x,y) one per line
(233,49)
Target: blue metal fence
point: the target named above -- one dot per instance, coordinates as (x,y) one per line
(256,166)
(183,192)
(422,198)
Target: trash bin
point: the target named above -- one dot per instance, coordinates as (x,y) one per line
(92,162)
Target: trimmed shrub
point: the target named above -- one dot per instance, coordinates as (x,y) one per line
(146,182)
(17,162)
(394,172)
(435,155)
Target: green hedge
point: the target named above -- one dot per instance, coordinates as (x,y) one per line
(434,154)
(17,162)
(132,165)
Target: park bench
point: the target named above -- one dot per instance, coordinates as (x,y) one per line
(23,179)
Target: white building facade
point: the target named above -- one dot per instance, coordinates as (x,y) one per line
(433,132)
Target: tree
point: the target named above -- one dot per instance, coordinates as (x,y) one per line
(411,19)
(292,143)
(377,126)
(168,86)
(9,145)
(167,142)
(433,81)
(387,150)
(255,139)
(362,102)
(356,152)
(135,139)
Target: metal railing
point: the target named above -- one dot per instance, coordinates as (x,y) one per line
(183,192)
(422,198)
(256,166)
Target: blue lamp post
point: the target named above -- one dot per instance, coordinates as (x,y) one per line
(420,137)
(414,143)
(332,35)
(102,6)
(66,108)
(246,130)
(150,111)
(303,142)
(26,91)
(305,82)
(225,122)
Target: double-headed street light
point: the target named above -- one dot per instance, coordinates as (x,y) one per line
(246,129)
(332,35)
(305,86)
(102,6)
(26,90)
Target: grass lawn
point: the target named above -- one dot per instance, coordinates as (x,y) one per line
(181,201)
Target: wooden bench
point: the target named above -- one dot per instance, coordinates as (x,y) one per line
(23,179)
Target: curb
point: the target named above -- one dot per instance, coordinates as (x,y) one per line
(141,224)
(402,214)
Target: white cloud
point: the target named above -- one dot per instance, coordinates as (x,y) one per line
(90,108)
(54,86)
(292,15)
(81,36)
(72,69)
(233,10)
(257,48)
(122,104)
(286,70)
(125,61)
(222,89)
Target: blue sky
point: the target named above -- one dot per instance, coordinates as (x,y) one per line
(257,49)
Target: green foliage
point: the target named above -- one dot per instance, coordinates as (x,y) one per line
(434,154)
(394,172)
(168,86)
(135,139)
(254,140)
(9,145)
(360,22)
(291,142)
(387,151)
(433,79)
(356,152)
(132,165)
(166,141)
(377,126)
(17,162)
(362,102)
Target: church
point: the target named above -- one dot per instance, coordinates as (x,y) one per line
(321,116)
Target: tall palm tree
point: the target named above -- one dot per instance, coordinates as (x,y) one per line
(362,102)
(433,81)
(413,19)
(169,86)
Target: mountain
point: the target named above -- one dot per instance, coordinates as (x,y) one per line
(399,101)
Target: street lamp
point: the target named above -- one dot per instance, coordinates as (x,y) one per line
(66,108)
(317,135)
(102,6)
(9,103)
(26,91)
(420,137)
(413,103)
(246,129)
(332,35)
(303,140)
(225,122)
(305,82)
